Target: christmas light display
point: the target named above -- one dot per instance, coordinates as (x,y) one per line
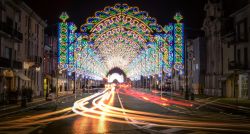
(123,37)
(62,42)
(179,43)
(71,46)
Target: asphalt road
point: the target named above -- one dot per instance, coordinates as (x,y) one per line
(205,116)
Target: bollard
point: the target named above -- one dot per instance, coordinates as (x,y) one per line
(24,102)
(192,96)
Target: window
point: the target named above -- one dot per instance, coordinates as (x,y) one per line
(238,56)
(0,46)
(9,22)
(15,55)
(19,17)
(241,30)
(15,25)
(29,49)
(245,57)
(8,53)
(26,21)
(37,30)
(29,23)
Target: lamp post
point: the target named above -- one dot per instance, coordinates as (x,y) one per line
(74,84)
(186,72)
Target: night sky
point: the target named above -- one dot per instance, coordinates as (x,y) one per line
(162,10)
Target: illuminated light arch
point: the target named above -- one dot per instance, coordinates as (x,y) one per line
(123,37)
(123,26)
(116,76)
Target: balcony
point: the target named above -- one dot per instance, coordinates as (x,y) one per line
(6,29)
(233,65)
(7,63)
(36,59)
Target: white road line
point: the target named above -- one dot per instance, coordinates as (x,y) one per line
(171,130)
(207,103)
(148,127)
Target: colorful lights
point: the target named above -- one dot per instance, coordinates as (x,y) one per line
(71,46)
(179,43)
(62,43)
(64,16)
(123,37)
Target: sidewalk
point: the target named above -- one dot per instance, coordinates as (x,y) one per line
(11,109)
(233,102)
(242,103)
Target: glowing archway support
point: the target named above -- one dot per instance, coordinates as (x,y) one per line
(179,43)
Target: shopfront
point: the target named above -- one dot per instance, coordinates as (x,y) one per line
(243,86)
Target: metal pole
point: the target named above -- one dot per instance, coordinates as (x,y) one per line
(149,83)
(57,73)
(75,84)
(171,86)
(186,73)
(85,83)
(161,81)
(67,82)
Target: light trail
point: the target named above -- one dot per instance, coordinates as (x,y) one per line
(153,98)
(42,119)
(101,106)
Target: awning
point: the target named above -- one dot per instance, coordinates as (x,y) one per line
(22,76)
(8,73)
(48,76)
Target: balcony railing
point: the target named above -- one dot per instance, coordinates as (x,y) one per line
(7,29)
(233,65)
(7,63)
(36,59)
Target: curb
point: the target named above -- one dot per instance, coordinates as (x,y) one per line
(32,107)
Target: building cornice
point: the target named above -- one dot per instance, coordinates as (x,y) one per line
(22,6)
(239,11)
(33,14)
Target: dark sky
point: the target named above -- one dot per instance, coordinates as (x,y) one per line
(162,10)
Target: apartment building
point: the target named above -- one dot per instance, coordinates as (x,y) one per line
(21,49)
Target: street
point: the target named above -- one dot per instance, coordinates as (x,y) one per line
(115,111)
(124,66)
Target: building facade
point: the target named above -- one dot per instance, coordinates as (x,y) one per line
(236,48)
(212,26)
(196,60)
(50,65)
(21,45)
(227,47)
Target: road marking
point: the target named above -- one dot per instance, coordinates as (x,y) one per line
(206,103)
(148,126)
(171,130)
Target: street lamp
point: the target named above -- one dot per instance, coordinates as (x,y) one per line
(186,72)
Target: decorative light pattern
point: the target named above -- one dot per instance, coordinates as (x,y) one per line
(71,46)
(123,37)
(170,49)
(119,33)
(62,42)
(179,43)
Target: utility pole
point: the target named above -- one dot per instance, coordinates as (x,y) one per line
(74,84)
(186,72)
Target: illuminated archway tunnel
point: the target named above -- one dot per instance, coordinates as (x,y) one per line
(116,74)
(121,37)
